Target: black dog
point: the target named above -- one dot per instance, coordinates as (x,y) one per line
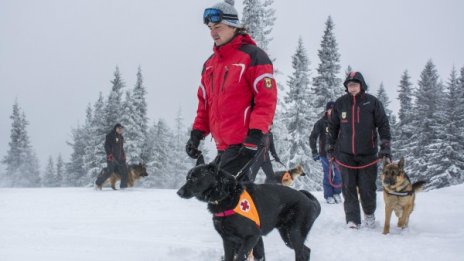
(241,220)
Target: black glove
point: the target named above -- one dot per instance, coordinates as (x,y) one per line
(192,144)
(316,156)
(251,143)
(385,150)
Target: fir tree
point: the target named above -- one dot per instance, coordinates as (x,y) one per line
(141,120)
(75,170)
(130,130)
(299,115)
(22,166)
(49,177)
(258,17)
(60,170)
(327,85)
(113,107)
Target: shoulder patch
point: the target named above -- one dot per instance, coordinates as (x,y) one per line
(257,55)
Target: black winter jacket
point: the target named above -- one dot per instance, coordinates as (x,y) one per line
(320,131)
(114,146)
(354,124)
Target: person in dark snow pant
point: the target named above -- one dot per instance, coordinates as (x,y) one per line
(115,156)
(237,95)
(264,161)
(356,119)
(332,188)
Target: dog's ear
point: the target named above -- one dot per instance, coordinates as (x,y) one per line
(401,163)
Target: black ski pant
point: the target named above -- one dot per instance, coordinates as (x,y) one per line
(360,182)
(263,162)
(114,166)
(231,161)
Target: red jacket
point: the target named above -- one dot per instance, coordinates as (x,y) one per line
(238,92)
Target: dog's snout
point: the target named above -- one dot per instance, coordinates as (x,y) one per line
(181,192)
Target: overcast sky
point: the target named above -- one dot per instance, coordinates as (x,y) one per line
(57,55)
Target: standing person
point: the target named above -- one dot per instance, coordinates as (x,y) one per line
(356,119)
(237,95)
(264,160)
(332,180)
(115,157)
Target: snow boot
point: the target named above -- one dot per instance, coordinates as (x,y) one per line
(352,225)
(338,198)
(369,220)
(330,200)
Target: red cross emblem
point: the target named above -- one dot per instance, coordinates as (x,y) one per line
(245,206)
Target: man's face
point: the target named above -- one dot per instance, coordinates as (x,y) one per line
(221,33)
(119,130)
(354,88)
(329,112)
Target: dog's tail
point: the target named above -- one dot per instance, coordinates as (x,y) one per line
(317,205)
(417,186)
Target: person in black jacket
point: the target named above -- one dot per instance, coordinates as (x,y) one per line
(331,183)
(115,157)
(264,161)
(356,119)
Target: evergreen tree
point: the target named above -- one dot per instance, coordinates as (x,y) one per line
(299,115)
(382,96)
(160,138)
(326,85)
(49,177)
(113,107)
(259,17)
(130,130)
(140,119)
(59,170)
(348,70)
(179,167)
(22,166)
(75,170)
(404,128)
(427,144)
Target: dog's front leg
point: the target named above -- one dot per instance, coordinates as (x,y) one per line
(245,248)
(388,214)
(229,250)
(404,217)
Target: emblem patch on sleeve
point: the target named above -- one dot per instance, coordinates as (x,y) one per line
(343,115)
(268,82)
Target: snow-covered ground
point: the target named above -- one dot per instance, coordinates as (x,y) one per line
(148,224)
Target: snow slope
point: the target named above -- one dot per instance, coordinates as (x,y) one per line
(148,224)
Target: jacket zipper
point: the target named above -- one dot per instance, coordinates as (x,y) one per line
(359,118)
(353,129)
(225,78)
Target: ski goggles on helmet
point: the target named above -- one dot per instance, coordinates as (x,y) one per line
(213,15)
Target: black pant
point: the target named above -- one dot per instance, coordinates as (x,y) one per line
(362,179)
(114,166)
(263,162)
(231,161)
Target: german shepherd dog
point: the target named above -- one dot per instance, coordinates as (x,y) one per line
(398,193)
(292,212)
(287,177)
(135,172)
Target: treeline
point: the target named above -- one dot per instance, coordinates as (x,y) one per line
(428,130)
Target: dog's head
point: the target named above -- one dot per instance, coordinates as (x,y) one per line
(207,183)
(287,180)
(139,170)
(393,174)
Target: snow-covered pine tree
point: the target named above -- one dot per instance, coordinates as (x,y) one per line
(427,141)
(49,176)
(59,170)
(404,129)
(130,130)
(179,167)
(258,18)
(160,138)
(454,158)
(140,120)
(22,165)
(113,109)
(382,96)
(348,70)
(299,116)
(327,85)
(75,170)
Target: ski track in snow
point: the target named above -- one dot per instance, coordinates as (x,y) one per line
(47,224)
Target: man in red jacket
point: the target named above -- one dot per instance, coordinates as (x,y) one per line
(237,95)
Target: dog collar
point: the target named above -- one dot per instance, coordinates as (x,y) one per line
(245,207)
(401,194)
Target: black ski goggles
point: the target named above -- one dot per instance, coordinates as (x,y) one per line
(213,15)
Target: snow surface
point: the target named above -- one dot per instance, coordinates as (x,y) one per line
(148,224)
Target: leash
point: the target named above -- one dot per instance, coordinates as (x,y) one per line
(330,174)
(242,171)
(356,167)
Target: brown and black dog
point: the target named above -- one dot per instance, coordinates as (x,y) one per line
(398,193)
(287,177)
(135,172)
